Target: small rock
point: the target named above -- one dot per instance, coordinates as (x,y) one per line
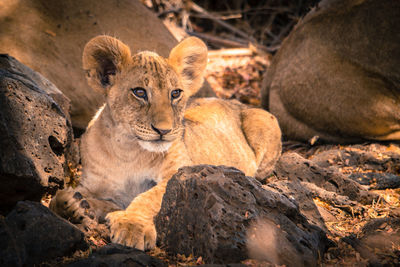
(32,234)
(378,181)
(294,167)
(374,165)
(371,157)
(35,134)
(117,255)
(378,240)
(223,216)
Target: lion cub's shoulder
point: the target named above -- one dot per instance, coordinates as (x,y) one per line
(201,110)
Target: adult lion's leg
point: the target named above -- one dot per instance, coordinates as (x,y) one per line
(264,136)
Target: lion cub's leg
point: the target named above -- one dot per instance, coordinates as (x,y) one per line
(264,136)
(134,226)
(79,206)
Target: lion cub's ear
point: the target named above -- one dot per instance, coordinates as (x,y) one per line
(103,57)
(189,58)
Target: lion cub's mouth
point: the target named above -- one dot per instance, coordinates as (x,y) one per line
(156,139)
(157,146)
(155,142)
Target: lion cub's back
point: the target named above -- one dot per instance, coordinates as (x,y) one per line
(214,135)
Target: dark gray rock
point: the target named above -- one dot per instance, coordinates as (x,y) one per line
(294,167)
(379,241)
(378,181)
(35,134)
(374,165)
(117,255)
(32,234)
(303,196)
(373,157)
(303,180)
(14,67)
(225,217)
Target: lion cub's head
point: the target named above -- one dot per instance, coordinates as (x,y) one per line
(146,93)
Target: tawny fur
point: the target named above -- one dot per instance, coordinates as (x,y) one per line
(337,75)
(122,152)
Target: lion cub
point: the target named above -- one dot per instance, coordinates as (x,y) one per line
(147,129)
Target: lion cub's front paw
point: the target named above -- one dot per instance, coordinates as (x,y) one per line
(71,205)
(132,229)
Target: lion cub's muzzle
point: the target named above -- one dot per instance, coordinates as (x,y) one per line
(161,132)
(154,134)
(156,139)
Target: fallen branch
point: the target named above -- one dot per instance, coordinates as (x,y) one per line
(227,17)
(334,199)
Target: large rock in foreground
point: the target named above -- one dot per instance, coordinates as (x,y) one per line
(35,134)
(222,215)
(117,255)
(32,234)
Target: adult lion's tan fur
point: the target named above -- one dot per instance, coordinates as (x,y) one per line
(147,130)
(337,74)
(49,37)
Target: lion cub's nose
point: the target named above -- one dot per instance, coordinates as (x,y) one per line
(160,131)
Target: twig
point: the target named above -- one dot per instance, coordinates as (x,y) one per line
(155,6)
(221,17)
(208,15)
(267,9)
(169,11)
(217,40)
(286,29)
(339,201)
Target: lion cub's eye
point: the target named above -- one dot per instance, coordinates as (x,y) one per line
(139,92)
(176,93)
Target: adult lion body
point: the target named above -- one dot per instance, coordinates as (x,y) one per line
(337,75)
(147,130)
(49,36)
